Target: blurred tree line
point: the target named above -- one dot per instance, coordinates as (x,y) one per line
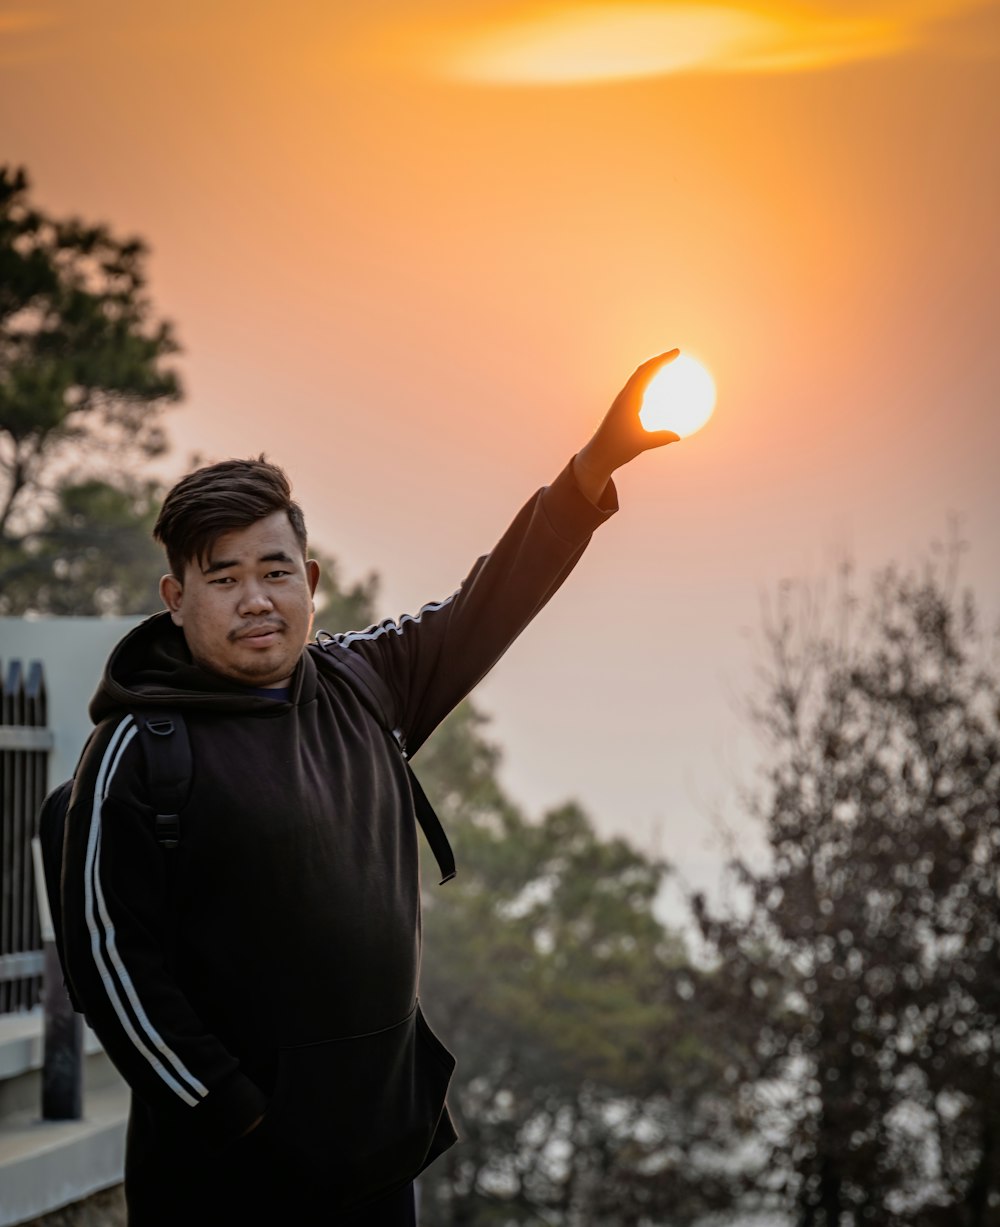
(83,383)
(867,962)
(827,1052)
(824,1053)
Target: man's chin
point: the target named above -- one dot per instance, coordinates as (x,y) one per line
(260,674)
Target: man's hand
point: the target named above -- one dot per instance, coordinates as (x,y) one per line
(621,436)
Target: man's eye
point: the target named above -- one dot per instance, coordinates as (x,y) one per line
(223,579)
(276,574)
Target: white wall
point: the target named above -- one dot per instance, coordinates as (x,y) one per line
(73,652)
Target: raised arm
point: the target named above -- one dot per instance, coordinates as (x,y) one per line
(431,661)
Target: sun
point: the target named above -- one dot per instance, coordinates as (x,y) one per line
(680,397)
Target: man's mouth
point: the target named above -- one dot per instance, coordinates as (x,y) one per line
(259,636)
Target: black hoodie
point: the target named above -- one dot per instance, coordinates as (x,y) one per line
(271,962)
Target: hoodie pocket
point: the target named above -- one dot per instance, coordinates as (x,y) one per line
(363,1115)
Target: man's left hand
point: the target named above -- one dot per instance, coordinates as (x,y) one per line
(621,436)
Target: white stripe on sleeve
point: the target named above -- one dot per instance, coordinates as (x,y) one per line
(98,918)
(390,627)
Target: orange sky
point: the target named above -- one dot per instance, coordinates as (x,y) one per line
(412,250)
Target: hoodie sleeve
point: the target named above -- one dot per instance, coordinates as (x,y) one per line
(116,932)
(432,660)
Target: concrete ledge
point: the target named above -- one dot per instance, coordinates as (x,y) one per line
(45,1165)
(21,1043)
(48,1164)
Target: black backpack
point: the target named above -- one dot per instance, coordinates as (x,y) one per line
(167,751)
(169,766)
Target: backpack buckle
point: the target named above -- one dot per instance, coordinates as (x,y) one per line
(168,830)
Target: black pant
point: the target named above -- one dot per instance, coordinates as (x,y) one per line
(249,1184)
(245,1207)
(398,1210)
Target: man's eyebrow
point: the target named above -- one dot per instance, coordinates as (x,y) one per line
(222,564)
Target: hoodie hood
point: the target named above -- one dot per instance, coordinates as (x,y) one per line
(152,667)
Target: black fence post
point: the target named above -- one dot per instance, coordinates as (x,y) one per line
(62,1064)
(62,1052)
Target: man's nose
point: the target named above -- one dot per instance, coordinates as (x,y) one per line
(255,600)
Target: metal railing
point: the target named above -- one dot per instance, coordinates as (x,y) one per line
(25,742)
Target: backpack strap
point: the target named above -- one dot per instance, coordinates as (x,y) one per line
(431,825)
(375,695)
(167,751)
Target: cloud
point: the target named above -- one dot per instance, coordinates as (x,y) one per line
(574,43)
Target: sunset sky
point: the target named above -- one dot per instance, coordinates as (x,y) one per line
(412,250)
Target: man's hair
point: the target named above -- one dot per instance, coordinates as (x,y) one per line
(217,499)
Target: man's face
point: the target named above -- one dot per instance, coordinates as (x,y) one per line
(246,610)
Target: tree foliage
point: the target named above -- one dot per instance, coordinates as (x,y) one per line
(92,555)
(82,381)
(341,606)
(586,1092)
(868,957)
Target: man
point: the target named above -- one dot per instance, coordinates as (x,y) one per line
(257,986)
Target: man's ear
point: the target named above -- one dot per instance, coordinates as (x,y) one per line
(172,596)
(312,575)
